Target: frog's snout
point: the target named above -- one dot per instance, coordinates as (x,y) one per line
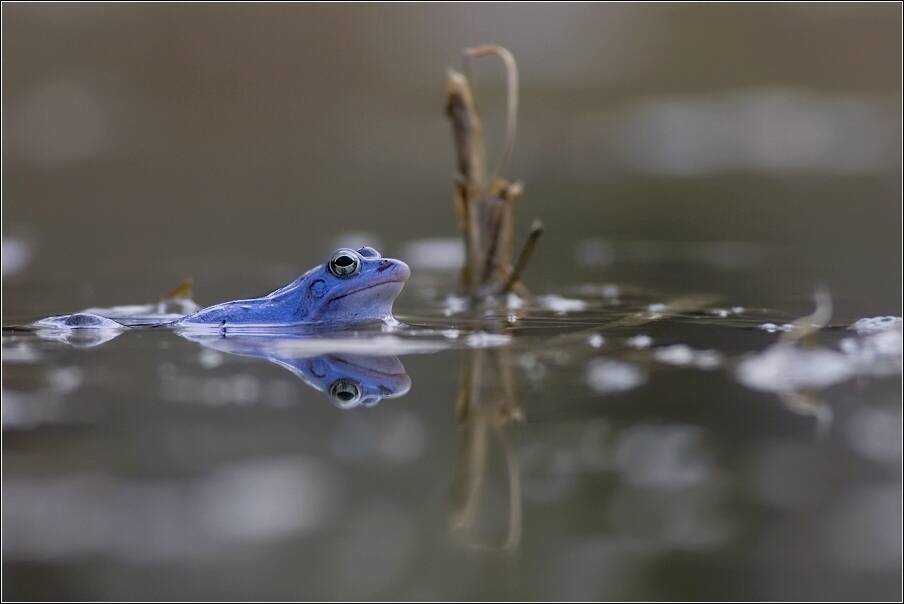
(400,270)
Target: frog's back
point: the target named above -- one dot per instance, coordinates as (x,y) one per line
(351,287)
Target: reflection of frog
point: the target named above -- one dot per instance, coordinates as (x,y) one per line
(351,287)
(349,380)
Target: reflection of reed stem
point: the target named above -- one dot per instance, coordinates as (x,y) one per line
(485,405)
(515,523)
(473,444)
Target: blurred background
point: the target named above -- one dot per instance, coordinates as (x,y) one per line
(747,150)
(181,140)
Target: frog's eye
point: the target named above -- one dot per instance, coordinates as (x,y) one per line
(345,393)
(344,263)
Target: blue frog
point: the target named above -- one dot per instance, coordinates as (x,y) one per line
(353,286)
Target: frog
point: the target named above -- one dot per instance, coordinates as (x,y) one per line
(352,286)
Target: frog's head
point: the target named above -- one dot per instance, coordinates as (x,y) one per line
(352,286)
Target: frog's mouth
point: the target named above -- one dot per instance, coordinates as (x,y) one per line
(393,276)
(373,300)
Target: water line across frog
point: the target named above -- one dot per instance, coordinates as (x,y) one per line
(353,286)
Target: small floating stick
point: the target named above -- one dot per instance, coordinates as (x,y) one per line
(183,290)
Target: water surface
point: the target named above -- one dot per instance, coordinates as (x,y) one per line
(630,433)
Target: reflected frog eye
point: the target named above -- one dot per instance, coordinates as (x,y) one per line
(344,263)
(345,393)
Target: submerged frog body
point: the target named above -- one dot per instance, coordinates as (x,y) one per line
(353,286)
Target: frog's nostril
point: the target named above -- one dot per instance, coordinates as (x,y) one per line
(384,264)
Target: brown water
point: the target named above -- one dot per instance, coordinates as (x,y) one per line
(601,444)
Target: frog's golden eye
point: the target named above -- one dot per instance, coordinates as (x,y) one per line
(345,393)
(344,263)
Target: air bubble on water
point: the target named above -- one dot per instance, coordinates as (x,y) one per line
(608,291)
(513,301)
(708,359)
(605,376)
(772,327)
(677,354)
(682,355)
(533,368)
(455,305)
(560,305)
(783,368)
(873,325)
(724,312)
(877,354)
(482,339)
(596,340)
(640,341)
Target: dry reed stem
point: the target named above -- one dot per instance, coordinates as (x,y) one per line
(485,205)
